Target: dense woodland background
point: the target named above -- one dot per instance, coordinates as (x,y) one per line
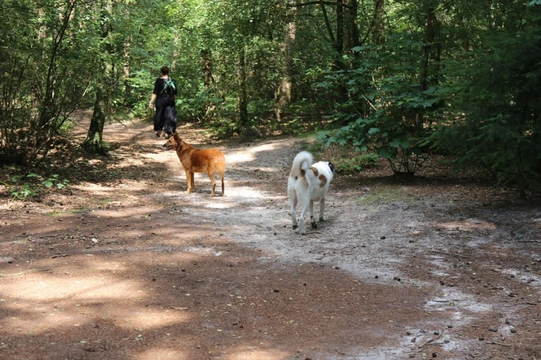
(397,79)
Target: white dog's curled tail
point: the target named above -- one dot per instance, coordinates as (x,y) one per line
(302,162)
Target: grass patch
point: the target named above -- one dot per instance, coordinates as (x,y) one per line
(344,158)
(54,213)
(357,163)
(80,211)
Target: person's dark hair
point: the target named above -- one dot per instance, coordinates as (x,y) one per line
(164,70)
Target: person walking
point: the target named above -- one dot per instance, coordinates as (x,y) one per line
(163,97)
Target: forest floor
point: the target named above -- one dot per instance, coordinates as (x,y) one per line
(122,264)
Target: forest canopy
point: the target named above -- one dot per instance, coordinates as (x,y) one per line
(401,79)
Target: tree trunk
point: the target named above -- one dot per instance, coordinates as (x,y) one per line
(339,45)
(206,68)
(379,25)
(339,64)
(94,138)
(247,131)
(283,91)
(431,50)
(243,94)
(208,78)
(351,28)
(127,69)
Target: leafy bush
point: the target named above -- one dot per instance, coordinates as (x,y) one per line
(42,81)
(344,158)
(33,185)
(387,112)
(356,163)
(499,126)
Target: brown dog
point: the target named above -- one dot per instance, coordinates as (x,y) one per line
(194,160)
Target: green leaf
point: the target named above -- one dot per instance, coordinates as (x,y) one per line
(400,143)
(385,152)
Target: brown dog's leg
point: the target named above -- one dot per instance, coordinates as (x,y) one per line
(189,177)
(223,190)
(212,182)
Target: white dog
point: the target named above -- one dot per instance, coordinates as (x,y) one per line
(307,183)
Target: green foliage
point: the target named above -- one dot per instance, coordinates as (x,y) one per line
(55,181)
(500,123)
(43,77)
(33,185)
(345,159)
(387,113)
(475,98)
(458,78)
(355,164)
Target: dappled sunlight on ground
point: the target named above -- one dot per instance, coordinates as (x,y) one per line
(161,352)
(250,154)
(239,157)
(104,190)
(125,265)
(467,225)
(149,319)
(257,354)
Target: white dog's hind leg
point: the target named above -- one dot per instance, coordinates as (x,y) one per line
(293,203)
(313,221)
(321,210)
(294,216)
(301,219)
(305,201)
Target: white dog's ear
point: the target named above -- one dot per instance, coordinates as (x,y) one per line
(331,166)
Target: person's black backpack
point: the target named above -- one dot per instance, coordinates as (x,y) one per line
(169,87)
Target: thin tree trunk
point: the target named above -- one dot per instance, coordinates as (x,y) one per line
(127,69)
(352,30)
(283,91)
(339,48)
(379,27)
(208,78)
(127,58)
(206,68)
(243,94)
(339,45)
(428,49)
(94,138)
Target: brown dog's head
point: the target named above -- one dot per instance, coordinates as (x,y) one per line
(174,142)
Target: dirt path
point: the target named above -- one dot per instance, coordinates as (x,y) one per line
(128,266)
